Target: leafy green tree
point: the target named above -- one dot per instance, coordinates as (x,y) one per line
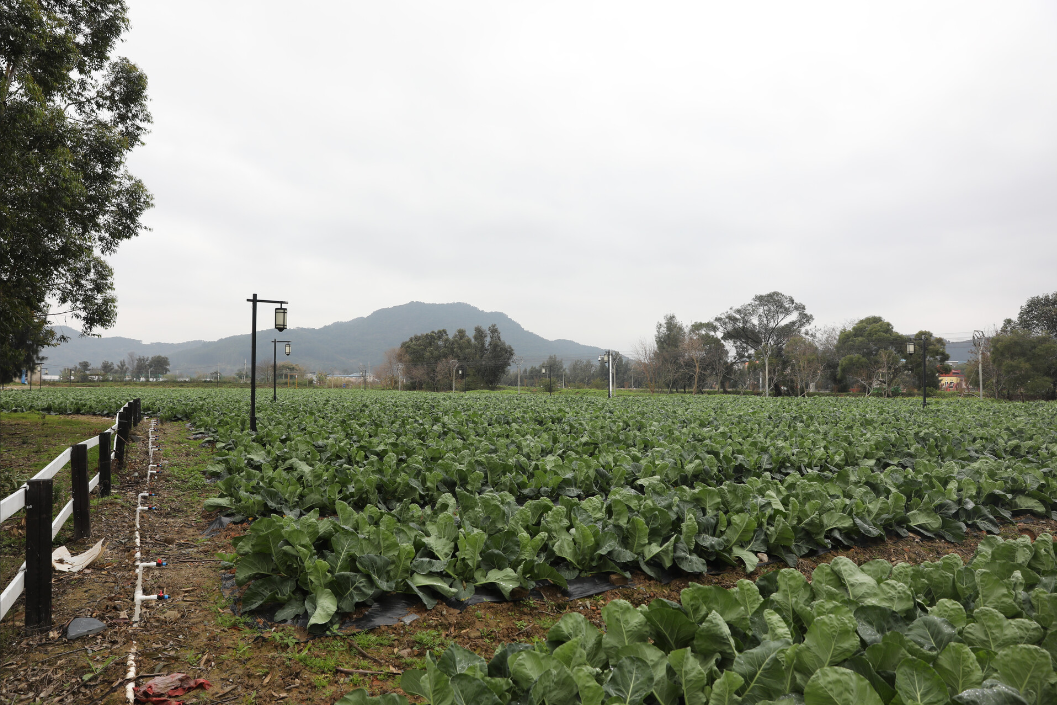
(761,327)
(159,365)
(22,338)
(670,338)
(82,370)
(423,355)
(1025,365)
(706,353)
(485,357)
(70,114)
(871,353)
(491,357)
(805,362)
(1038,315)
(140,369)
(869,336)
(107,368)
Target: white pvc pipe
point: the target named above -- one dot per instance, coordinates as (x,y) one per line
(139,598)
(130,689)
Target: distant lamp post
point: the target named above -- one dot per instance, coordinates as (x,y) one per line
(923,343)
(274,355)
(550,382)
(607,358)
(280,325)
(40,383)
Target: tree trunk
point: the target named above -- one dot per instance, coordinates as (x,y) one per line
(766,374)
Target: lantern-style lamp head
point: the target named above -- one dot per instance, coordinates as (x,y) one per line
(543,370)
(288,348)
(280,319)
(910,347)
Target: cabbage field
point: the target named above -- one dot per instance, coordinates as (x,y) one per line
(930,634)
(354,495)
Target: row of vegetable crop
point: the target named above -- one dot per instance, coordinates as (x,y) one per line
(874,634)
(436,494)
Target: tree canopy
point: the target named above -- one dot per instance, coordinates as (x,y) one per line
(431,356)
(70,113)
(1025,364)
(1038,315)
(762,326)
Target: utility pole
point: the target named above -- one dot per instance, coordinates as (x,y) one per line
(607,357)
(980,358)
(518,360)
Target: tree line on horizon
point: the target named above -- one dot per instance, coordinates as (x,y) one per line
(767,345)
(770,345)
(133,367)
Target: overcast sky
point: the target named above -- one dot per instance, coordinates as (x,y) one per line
(588,167)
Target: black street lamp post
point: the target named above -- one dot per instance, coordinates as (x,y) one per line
(274,357)
(550,382)
(280,325)
(924,342)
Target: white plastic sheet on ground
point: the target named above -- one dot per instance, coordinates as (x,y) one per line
(62,560)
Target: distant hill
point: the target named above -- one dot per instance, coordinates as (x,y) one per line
(959,351)
(95,350)
(338,347)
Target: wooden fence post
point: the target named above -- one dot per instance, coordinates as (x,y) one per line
(104,464)
(38,554)
(82,526)
(122,437)
(138,416)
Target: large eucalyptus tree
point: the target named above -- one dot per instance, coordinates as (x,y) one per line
(70,113)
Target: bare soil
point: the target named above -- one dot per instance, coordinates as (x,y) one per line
(197,633)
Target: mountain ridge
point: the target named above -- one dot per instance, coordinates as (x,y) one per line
(341,346)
